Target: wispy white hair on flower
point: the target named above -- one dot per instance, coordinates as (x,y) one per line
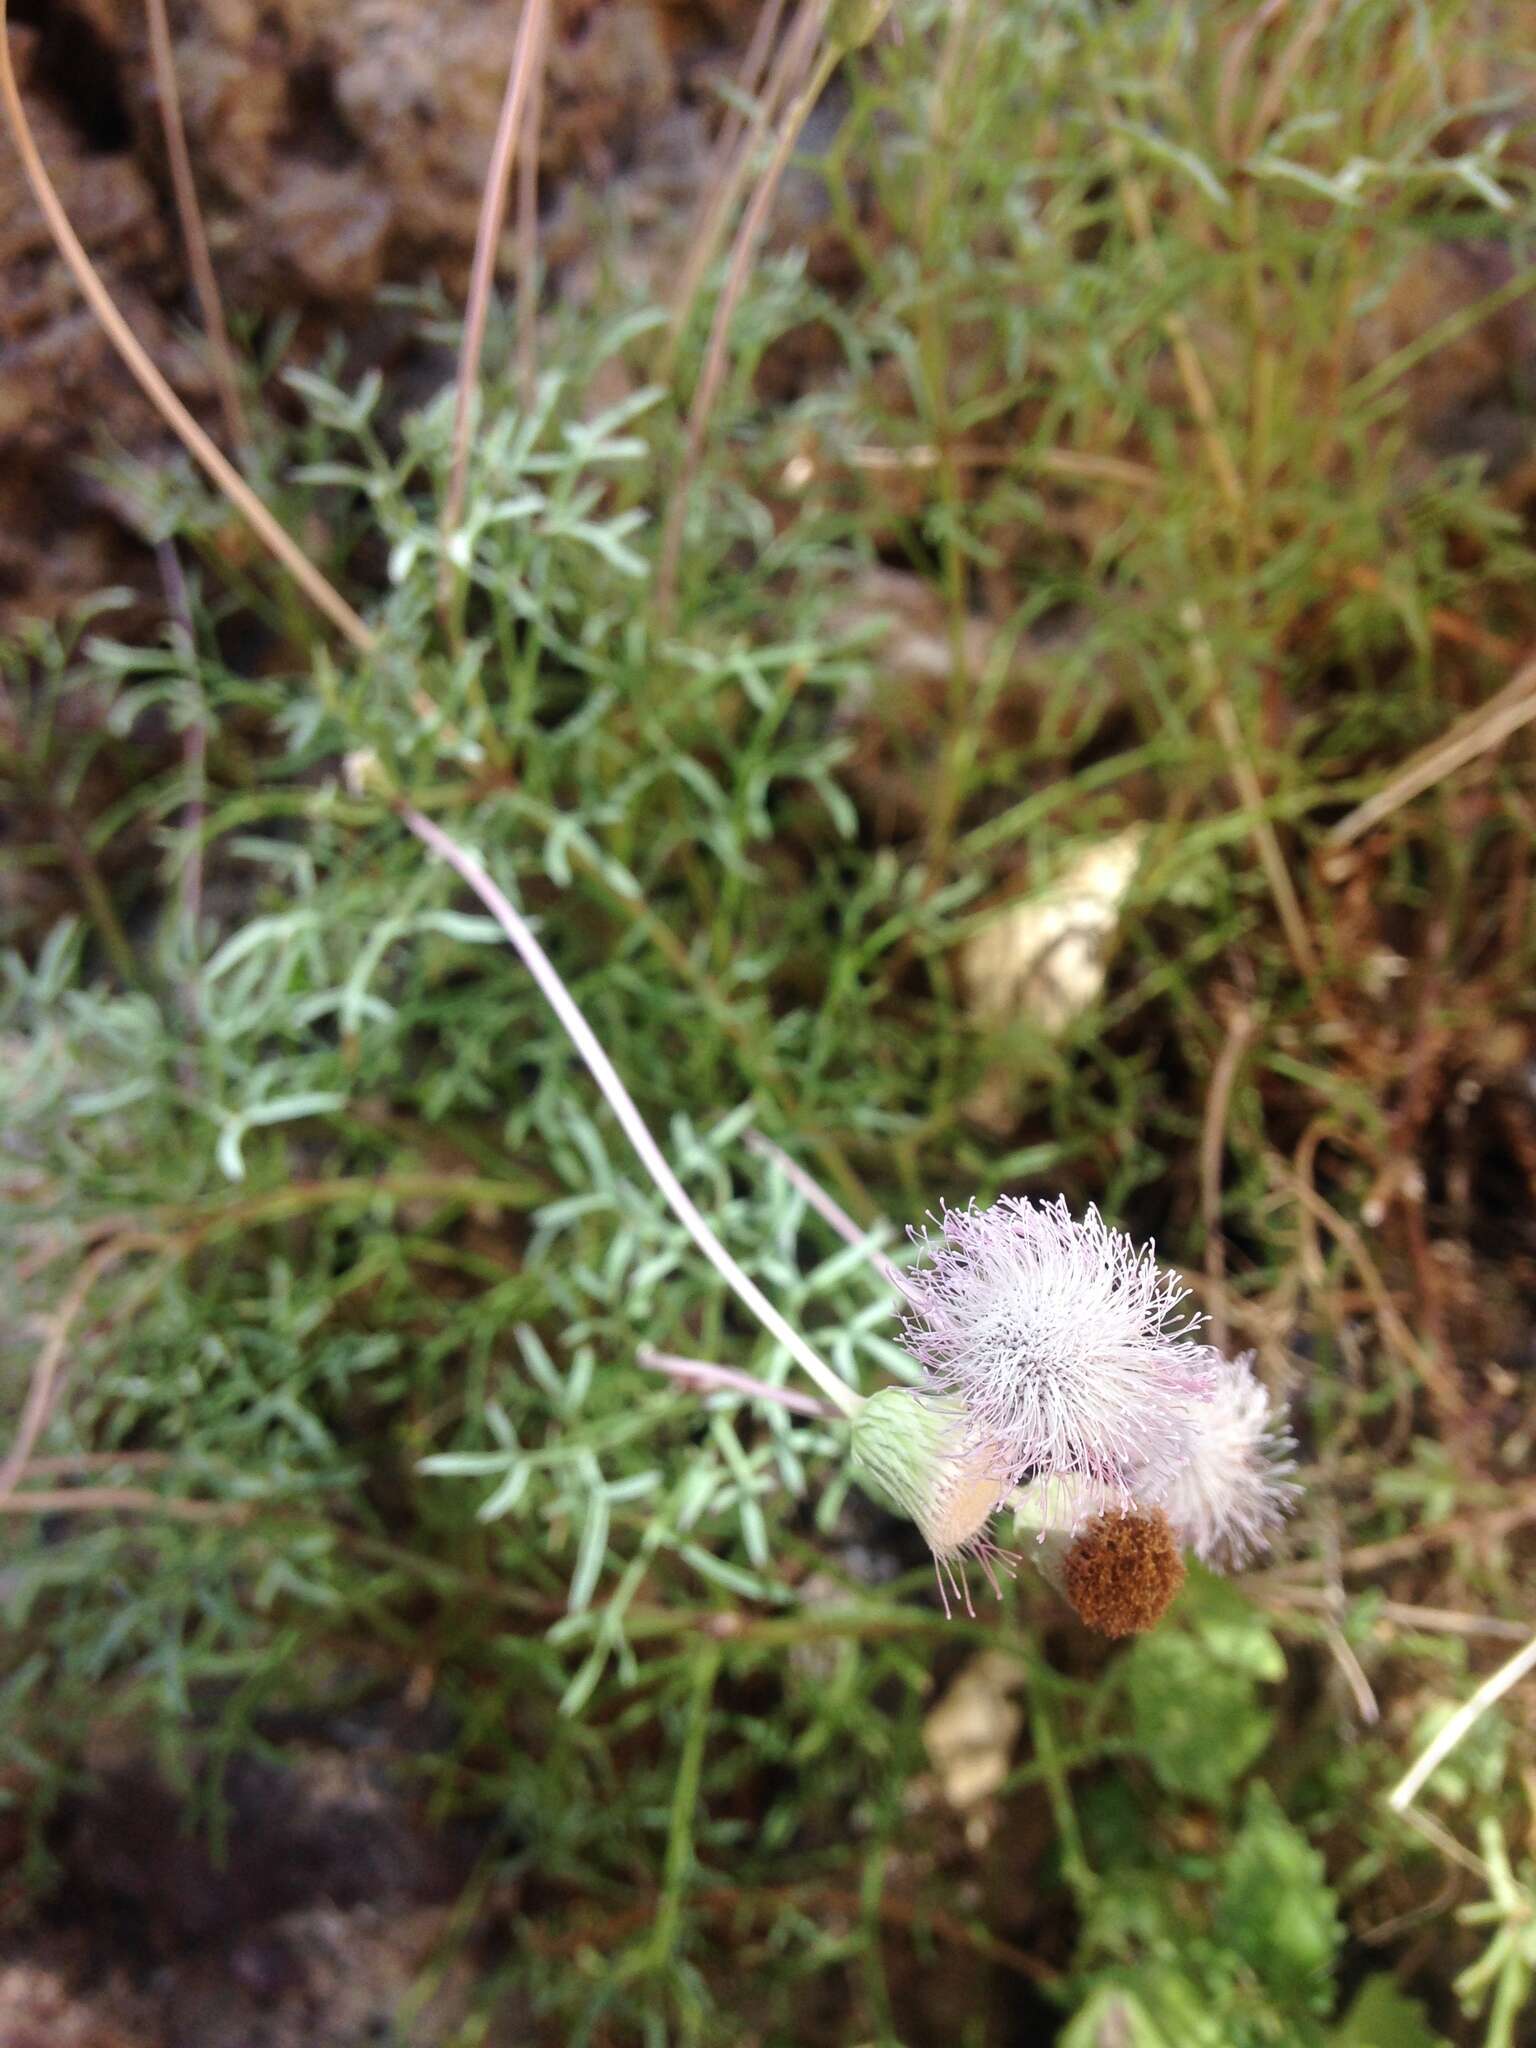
(1064,1345)
(1232,1491)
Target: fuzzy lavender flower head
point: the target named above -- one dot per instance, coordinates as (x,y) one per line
(1232,1491)
(1063,1344)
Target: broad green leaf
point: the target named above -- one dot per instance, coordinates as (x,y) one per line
(1198,1722)
(1383,2016)
(1275,1907)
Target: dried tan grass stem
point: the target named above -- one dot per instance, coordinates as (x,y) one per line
(43,1387)
(1465,1718)
(1284,72)
(1240,1029)
(1251,795)
(528,227)
(493,213)
(712,376)
(753,65)
(1479,732)
(1233,64)
(193,232)
(120,1500)
(726,177)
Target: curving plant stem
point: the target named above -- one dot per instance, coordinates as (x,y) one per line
(1466,1716)
(1479,732)
(223,473)
(493,213)
(620,1101)
(193,233)
(528,229)
(726,177)
(194,746)
(753,65)
(712,376)
(828,1209)
(724,1379)
(119,1500)
(43,1388)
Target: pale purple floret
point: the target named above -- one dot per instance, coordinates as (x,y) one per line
(1065,1345)
(1232,1491)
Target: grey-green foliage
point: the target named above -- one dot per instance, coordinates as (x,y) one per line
(354,986)
(1197,1697)
(390,1262)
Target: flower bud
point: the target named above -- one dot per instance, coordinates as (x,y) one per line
(911,1454)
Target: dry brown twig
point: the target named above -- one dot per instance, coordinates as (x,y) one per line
(493,212)
(712,376)
(1233,64)
(1240,1029)
(1443,622)
(1484,1528)
(1480,1528)
(68,1462)
(809,1896)
(1282,77)
(1425,1366)
(726,178)
(1228,731)
(279,543)
(733,127)
(1360,1689)
(43,1387)
(528,227)
(1479,732)
(1197,386)
(133,1500)
(199,258)
(1393,1614)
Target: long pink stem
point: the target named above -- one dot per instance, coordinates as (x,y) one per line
(829,1210)
(619,1099)
(699,1372)
(528,229)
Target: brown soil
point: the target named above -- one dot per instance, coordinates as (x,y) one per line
(338,145)
(321,1902)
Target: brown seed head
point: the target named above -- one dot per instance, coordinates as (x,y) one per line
(1122,1572)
